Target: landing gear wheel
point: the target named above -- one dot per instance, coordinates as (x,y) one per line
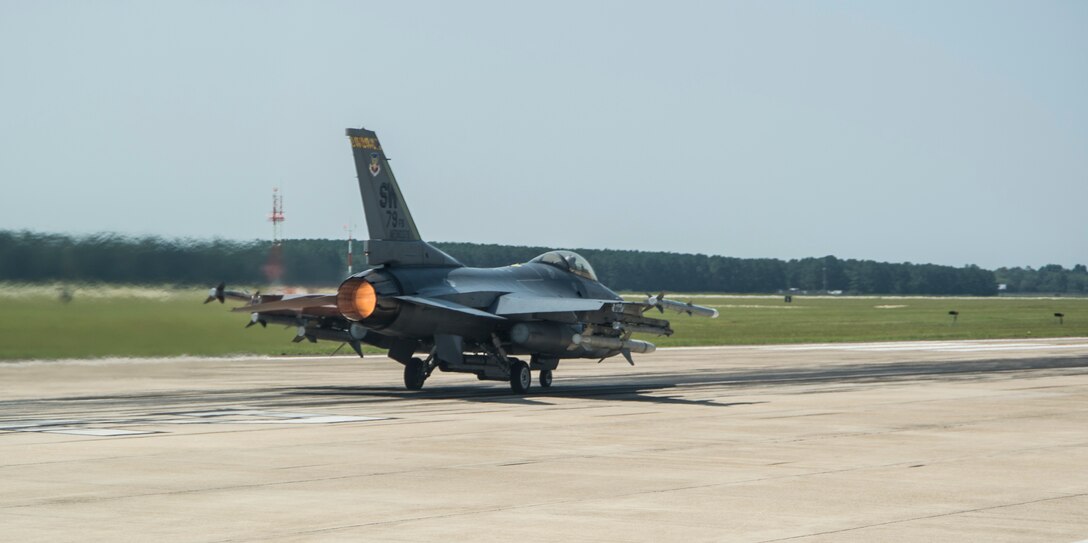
(545,378)
(415,373)
(520,377)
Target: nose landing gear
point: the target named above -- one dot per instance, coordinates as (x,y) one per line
(545,378)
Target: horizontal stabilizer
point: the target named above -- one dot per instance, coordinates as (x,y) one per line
(294,303)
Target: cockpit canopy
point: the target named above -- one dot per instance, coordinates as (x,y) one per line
(568,261)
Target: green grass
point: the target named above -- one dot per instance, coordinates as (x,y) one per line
(115,321)
(747,320)
(133,322)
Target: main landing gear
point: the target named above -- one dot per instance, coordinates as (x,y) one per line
(416,372)
(493,365)
(520,377)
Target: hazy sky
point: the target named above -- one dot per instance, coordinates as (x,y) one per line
(945,132)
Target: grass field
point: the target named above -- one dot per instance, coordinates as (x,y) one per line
(766,320)
(132,321)
(139,321)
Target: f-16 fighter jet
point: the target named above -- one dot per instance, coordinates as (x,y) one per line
(432,312)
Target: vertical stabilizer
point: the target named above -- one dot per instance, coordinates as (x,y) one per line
(387,216)
(394,239)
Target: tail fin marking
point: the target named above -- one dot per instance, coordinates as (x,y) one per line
(387,215)
(394,238)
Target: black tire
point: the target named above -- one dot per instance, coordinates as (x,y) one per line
(415,373)
(545,378)
(520,377)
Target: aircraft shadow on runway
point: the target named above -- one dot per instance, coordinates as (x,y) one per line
(537,396)
(655,388)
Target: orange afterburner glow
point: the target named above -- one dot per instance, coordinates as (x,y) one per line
(356,299)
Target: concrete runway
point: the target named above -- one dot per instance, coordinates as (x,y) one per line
(926,441)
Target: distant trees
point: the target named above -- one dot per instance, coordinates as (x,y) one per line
(32,257)
(35,257)
(1049,279)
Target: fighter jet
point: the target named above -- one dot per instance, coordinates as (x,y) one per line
(432,312)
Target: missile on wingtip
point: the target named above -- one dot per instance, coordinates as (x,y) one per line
(681,307)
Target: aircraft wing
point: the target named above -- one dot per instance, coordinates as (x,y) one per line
(517,303)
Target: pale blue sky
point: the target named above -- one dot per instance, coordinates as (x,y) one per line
(945,132)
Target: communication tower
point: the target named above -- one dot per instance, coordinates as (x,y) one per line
(276,217)
(273,270)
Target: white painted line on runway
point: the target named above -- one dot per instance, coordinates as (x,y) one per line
(224,416)
(705,348)
(216,413)
(934,347)
(309,420)
(97,432)
(15,426)
(253,416)
(1003,348)
(171,360)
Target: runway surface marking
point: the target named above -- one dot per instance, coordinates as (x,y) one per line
(106,427)
(967,346)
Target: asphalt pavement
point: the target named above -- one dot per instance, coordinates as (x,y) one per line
(934,441)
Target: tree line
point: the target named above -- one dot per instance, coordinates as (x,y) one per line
(1051,278)
(38,257)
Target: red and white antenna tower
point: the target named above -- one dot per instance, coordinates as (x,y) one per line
(276,217)
(273,269)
